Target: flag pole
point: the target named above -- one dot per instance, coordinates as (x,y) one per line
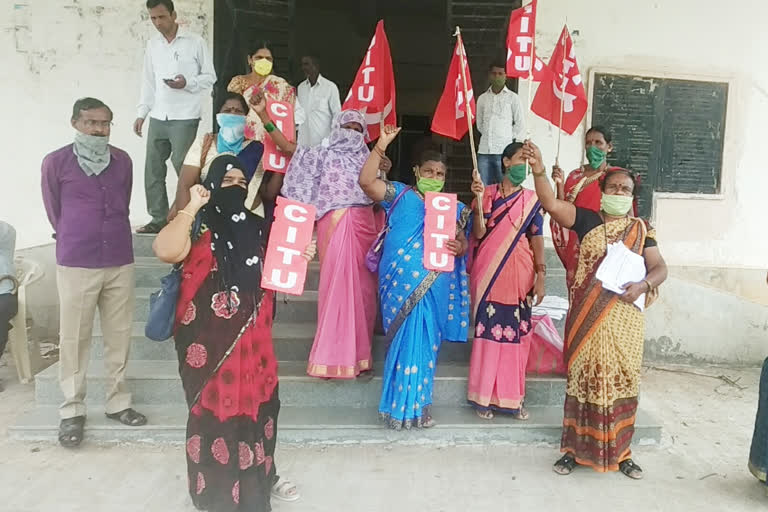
(463,57)
(528,106)
(562,102)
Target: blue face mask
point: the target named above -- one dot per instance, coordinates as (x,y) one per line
(231,133)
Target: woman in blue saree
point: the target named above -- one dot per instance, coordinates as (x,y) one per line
(420,308)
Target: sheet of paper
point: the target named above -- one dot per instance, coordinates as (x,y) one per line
(622,266)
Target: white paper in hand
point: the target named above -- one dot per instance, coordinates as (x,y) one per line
(622,266)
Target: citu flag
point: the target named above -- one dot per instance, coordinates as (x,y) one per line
(450,119)
(565,94)
(521,46)
(373,91)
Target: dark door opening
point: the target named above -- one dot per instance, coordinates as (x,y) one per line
(338,32)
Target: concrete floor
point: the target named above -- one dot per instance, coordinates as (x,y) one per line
(700,465)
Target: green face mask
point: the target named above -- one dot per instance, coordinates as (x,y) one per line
(516,174)
(596,157)
(429,185)
(499,82)
(616,206)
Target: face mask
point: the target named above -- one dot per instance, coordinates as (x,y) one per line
(516,174)
(500,82)
(616,206)
(231,133)
(429,185)
(92,152)
(596,157)
(262,67)
(228,200)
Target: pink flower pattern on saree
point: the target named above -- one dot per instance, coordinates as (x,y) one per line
(259,450)
(268,465)
(509,333)
(193,448)
(200,484)
(236,492)
(220,304)
(497,332)
(269,429)
(245,456)
(479,330)
(197,355)
(220,451)
(190,314)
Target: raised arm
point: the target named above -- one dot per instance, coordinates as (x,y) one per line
(174,240)
(189,176)
(563,212)
(258,103)
(369,180)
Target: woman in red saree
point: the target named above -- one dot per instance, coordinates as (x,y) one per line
(582,189)
(223,339)
(507,271)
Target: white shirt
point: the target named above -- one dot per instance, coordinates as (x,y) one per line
(186,55)
(319,102)
(500,120)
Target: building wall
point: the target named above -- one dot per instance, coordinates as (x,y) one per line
(55,52)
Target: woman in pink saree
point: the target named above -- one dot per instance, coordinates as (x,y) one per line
(326,176)
(507,271)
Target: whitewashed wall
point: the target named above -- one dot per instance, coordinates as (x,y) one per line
(54,52)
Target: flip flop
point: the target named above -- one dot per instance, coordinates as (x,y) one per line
(565,465)
(129,417)
(630,469)
(71,431)
(282,488)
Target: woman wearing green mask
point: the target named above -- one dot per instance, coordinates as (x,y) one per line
(582,189)
(261,80)
(420,308)
(508,271)
(604,331)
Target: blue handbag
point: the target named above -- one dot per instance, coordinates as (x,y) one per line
(162,307)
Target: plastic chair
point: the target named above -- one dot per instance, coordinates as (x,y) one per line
(26,352)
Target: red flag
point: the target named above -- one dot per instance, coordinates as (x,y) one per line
(550,98)
(521,46)
(450,117)
(373,91)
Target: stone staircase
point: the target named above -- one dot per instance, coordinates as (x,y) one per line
(313,410)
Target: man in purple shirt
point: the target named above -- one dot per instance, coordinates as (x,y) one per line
(87,193)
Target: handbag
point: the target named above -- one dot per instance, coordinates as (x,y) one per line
(162,306)
(373,256)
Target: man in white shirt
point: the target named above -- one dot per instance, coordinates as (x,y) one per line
(500,120)
(319,100)
(177,69)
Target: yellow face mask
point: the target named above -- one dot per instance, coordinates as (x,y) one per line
(262,66)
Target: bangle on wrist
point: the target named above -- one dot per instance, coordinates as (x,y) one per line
(185,212)
(541,268)
(379,151)
(649,285)
(270,127)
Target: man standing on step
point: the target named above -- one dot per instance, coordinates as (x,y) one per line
(87,193)
(319,98)
(500,120)
(177,69)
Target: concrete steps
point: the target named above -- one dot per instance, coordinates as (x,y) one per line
(313,410)
(333,425)
(157,382)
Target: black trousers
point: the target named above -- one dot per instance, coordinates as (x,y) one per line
(9,306)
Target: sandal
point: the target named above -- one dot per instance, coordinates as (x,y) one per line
(521,414)
(149,229)
(565,465)
(365,376)
(129,417)
(285,490)
(486,414)
(71,431)
(428,422)
(630,469)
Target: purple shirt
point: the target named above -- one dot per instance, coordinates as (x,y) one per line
(89,213)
